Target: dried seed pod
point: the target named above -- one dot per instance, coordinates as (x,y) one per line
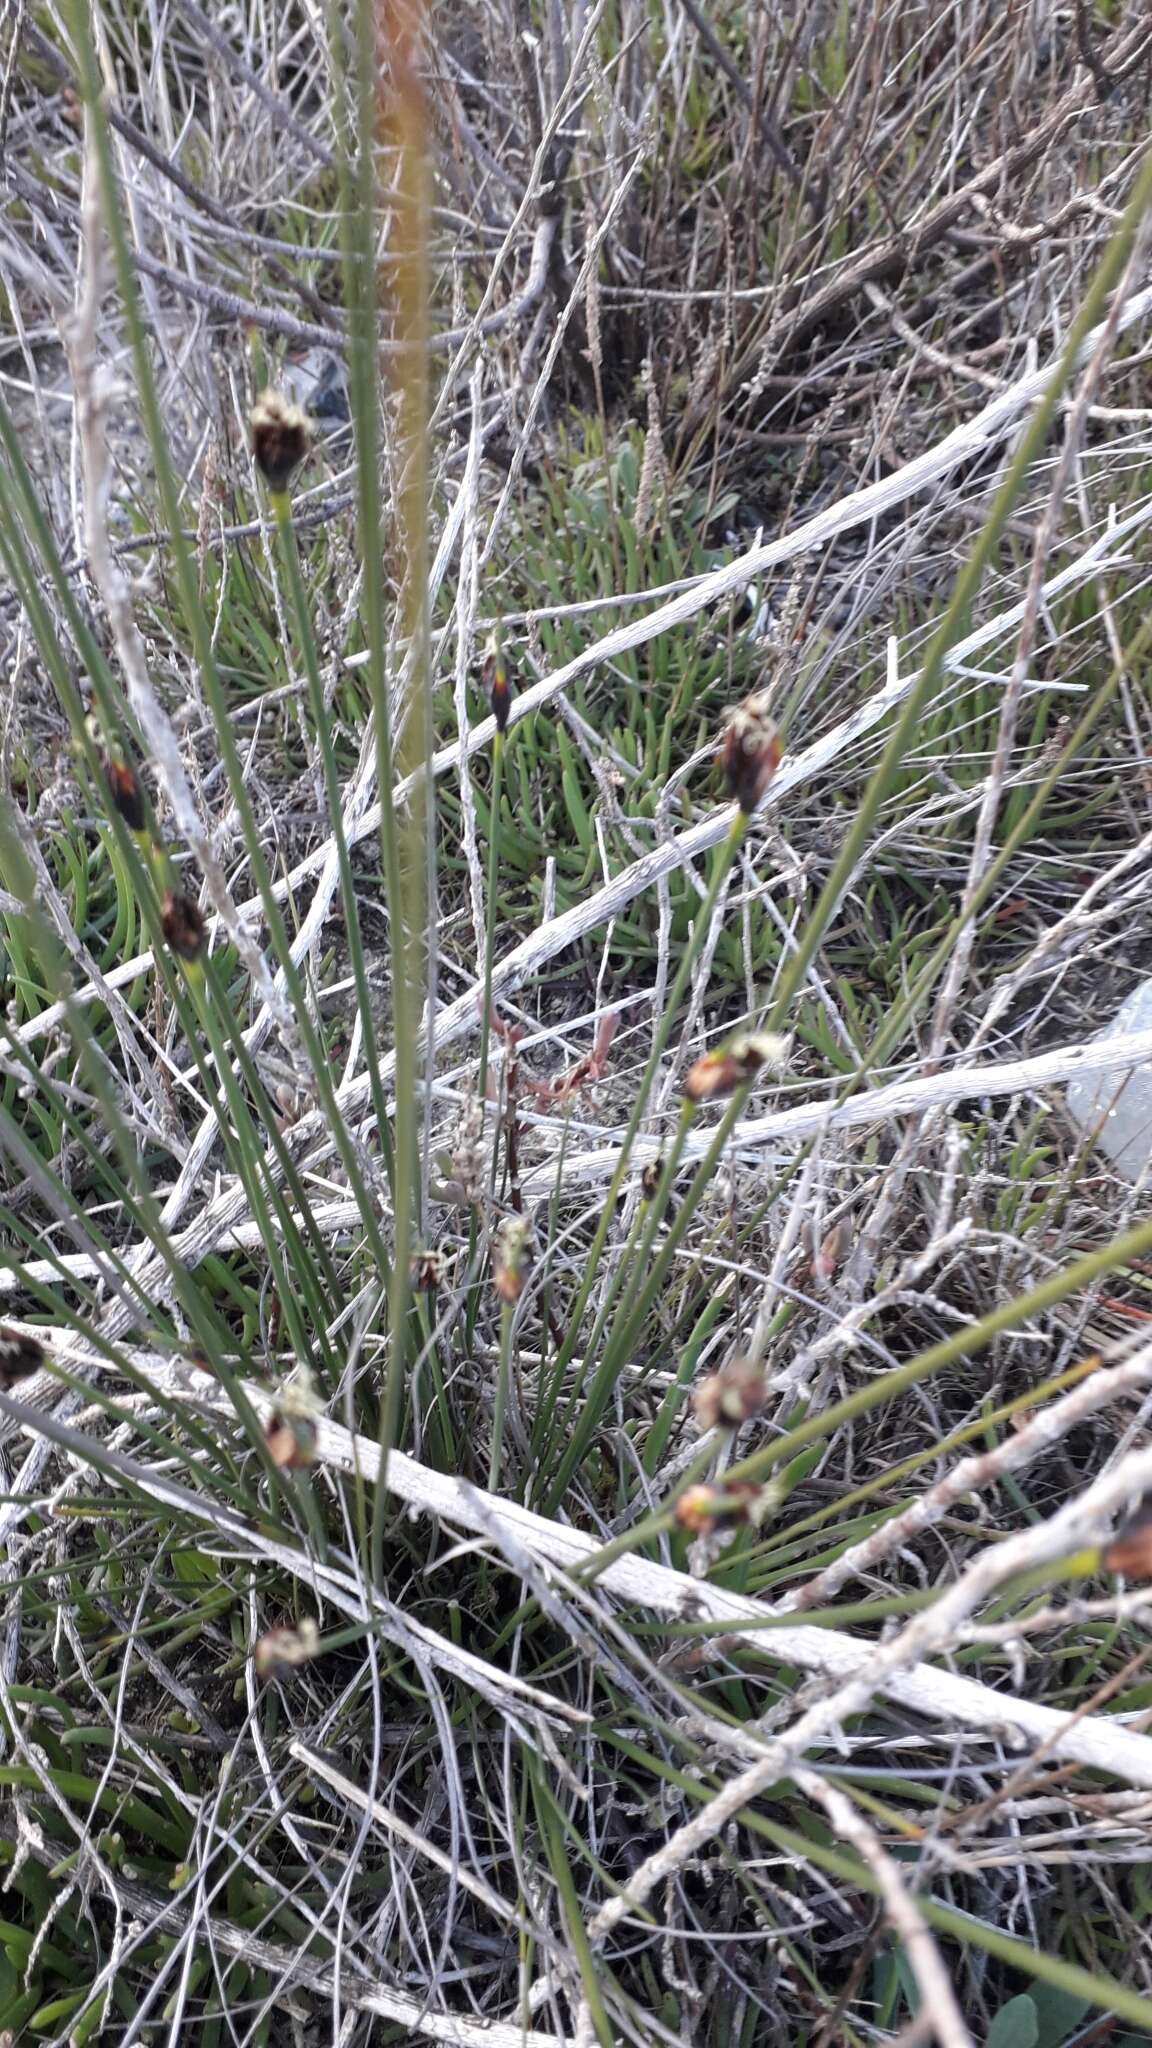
(427,1271)
(290,1428)
(495,674)
(750,751)
(701,1509)
(182,922)
(281,437)
(834,1249)
(20,1356)
(291,1440)
(721,1072)
(1130,1550)
(127,796)
(510,1258)
(284,1649)
(731,1396)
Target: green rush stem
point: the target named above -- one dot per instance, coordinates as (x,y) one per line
(726,855)
(486,1010)
(547,1396)
(657,1438)
(810,1524)
(620,1341)
(490,908)
(290,554)
(500,1406)
(429,1352)
(628,1268)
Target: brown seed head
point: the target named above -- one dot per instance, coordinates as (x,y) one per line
(498,685)
(750,751)
(721,1072)
(291,1440)
(283,1649)
(1130,1550)
(731,1396)
(281,437)
(510,1258)
(834,1248)
(124,789)
(427,1271)
(182,922)
(20,1356)
(702,1508)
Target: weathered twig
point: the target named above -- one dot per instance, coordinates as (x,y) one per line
(939,2012)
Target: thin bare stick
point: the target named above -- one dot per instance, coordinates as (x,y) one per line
(939,2013)
(902,1098)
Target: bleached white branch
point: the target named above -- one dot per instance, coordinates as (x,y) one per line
(858,1669)
(224,1222)
(940,2013)
(877,1105)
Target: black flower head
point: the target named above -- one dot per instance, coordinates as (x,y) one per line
(281,437)
(182,922)
(20,1356)
(750,751)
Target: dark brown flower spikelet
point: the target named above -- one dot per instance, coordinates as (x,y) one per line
(750,751)
(499,689)
(182,922)
(284,1649)
(722,1072)
(701,1508)
(20,1356)
(731,1396)
(1130,1550)
(126,793)
(281,437)
(291,1440)
(426,1271)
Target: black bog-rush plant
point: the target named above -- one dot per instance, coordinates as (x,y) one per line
(574,1412)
